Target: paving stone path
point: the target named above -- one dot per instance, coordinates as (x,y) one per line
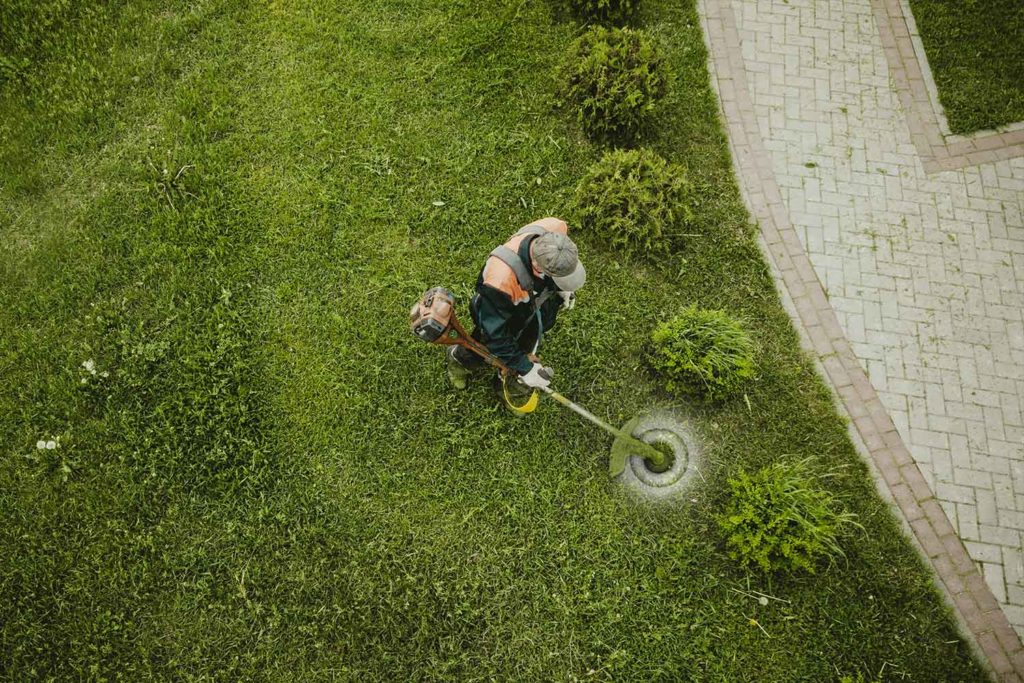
(922,269)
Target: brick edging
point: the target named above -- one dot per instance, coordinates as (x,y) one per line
(911,74)
(959,578)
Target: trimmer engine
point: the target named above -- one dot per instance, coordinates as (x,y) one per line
(431,316)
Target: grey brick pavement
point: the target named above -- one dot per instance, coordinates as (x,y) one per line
(926,273)
(923,270)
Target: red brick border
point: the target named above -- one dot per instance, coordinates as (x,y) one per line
(938,152)
(957,576)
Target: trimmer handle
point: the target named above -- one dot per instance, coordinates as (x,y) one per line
(433,320)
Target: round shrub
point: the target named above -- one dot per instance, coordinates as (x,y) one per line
(780,519)
(615,12)
(635,200)
(615,79)
(702,353)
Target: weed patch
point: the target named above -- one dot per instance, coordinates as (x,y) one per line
(636,201)
(616,12)
(702,353)
(781,519)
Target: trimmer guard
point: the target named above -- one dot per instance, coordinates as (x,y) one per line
(526,408)
(623,447)
(626,445)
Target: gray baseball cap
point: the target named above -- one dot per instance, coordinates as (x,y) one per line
(556,255)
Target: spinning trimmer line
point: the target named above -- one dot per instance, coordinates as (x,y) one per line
(433,320)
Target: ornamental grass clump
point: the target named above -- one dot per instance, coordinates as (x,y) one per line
(780,519)
(635,200)
(615,79)
(616,12)
(702,353)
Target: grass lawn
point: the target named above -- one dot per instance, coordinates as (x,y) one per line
(228,207)
(976,52)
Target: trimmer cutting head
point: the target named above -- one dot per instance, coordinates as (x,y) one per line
(627,445)
(634,472)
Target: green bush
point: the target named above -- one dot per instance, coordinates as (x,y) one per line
(635,200)
(702,353)
(779,519)
(615,79)
(615,12)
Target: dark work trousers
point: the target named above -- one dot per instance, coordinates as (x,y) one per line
(471,361)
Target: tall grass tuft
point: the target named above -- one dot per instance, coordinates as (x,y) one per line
(606,12)
(702,353)
(780,519)
(615,78)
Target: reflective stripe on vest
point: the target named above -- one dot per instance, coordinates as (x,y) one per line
(512,260)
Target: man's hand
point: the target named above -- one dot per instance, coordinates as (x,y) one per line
(568,300)
(539,377)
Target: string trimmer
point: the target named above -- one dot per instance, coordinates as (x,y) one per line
(433,320)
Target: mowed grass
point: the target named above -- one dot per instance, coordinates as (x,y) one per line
(976,52)
(229,207)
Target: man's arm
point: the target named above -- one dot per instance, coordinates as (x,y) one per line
(494,309)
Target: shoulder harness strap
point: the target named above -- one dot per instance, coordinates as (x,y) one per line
(531,230)
(512,260)
(545,295)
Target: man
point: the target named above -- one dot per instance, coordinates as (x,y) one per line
(521,288)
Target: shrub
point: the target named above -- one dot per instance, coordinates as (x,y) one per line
(635,200)
(778,519)
(702,353)
(615,12)
(615,79)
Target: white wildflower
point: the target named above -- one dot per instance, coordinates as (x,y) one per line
(40,445)
(89,366)
(50,445)
(104,374)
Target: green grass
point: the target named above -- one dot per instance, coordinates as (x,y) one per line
(976,52)
(229,207)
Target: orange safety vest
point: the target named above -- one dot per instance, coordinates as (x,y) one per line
(502,276)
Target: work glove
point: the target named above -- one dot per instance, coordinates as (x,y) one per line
(539,377)
(568,300)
